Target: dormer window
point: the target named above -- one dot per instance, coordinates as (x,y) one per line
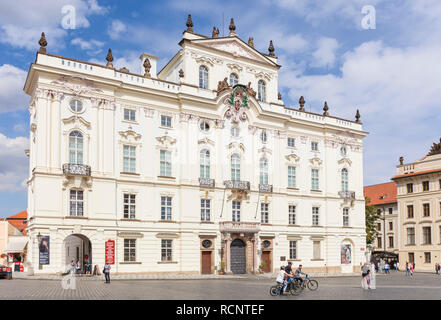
(203,77)
(261,90)
(234,79)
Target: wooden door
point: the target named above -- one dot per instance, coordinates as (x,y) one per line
(266,256)
(206,262)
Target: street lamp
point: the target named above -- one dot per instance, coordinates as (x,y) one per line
(39,237)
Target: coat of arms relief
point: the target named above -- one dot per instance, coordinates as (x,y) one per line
(238,103)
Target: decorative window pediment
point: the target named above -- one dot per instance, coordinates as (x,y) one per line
(236,146)
(316,161)
(265,151)
(166,141)
(345,160)
(206,141)
(130,135)
(234,67)
(292,157)
(76,122)
(263,75)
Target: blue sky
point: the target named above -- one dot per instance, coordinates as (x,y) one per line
(391,73)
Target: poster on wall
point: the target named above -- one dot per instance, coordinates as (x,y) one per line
(44,250)
(110,251)
(346,254)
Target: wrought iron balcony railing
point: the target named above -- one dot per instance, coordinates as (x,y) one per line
(237,184)
(234,226)
(205,182)
(266,188)
(347,194)
(76,169)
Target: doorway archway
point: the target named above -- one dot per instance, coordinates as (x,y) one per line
(77,247)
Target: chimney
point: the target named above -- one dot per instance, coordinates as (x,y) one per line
(153,62)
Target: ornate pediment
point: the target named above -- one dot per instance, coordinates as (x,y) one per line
(77,85)
(345,160)
(316,161)
(206,141)
(166,141)
(237,146)
(292,157)
(265,151)
(234,67)
(128,134)
(76,121)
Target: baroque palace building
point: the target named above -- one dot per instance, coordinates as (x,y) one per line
(193,169)
(419,206)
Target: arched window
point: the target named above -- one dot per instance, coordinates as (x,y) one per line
(261,91)
(203,77)
(75,147)
(263,171)
(235,167)
(234,79)
(344,180)
(205,164)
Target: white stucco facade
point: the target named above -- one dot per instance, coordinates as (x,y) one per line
(173,242)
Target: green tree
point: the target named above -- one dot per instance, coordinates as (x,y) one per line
(371,217)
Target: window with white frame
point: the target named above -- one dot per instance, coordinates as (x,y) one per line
(205,209)
(129,114)
(264,213)
(129,250)
(292,214)
(291,142)
(76,203)
(346,217)
(293,249)
(291,177)
(166,208)
(235,167)
(129,158)
(316,250)
(166,250)
(263,136)
(203,77)
(235,132)
(166,121)
(234,79)
(76,105)
(263,171)
(129,206)
(204,126)
(344,180)
(75,147)
(261,91)
(165,163)
(314,179)
(205,164)
(236,211)
(314,146)
(315,216)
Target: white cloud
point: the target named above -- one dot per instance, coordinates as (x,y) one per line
(14,165)
(324,56)
(92,47)
(23,21)
(12,97)
(116,29)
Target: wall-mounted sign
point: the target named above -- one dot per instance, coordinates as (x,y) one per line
(282,258)
(110,251)
(44,249)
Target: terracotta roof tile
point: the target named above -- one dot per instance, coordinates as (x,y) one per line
(381,193)
(18,219)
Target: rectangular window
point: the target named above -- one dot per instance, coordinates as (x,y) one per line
(425,185)
(166,208)
(411,236)
(291,142)
(314,179)
(129,114)
(390,210)
(264,213)
(391,226)
(291,177)
(165,163)
(166,250)
(409,187)
(345,217)
(314,146)
(129,206)
(316,249)
(410,211)
(292,214)
(76,203)
(129,250)
(426,210)
(427,235)
(378,226)
(165,121)
(236,211)
(379,242)
(205,209)
(411,257)
(391,242)
(293,249)
(427,257)
(129,161)
(315,216)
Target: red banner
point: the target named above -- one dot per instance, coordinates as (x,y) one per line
(110,251)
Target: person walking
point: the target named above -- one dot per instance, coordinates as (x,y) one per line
(365,276)
(411,270)
(439,269)
(386,268)
(106,271)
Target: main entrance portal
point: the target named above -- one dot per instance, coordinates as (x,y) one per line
(238,259)
(77,247)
